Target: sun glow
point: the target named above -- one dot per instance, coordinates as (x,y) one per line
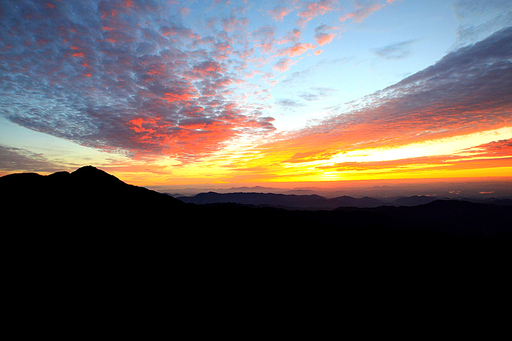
(444,146)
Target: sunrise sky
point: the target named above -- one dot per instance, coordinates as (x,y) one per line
(161,92)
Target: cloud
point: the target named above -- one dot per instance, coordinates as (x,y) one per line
(265,37)
(18,159)
(479,19)
(283,64)
(501,148)
(296,50)
(321,37)
(362,11)
(124,76)
(278,13)
(317,93)
(395,51)
(233,23)
(292,37)
(289,103)
(314,9)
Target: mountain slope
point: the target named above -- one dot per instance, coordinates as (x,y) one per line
(85,195)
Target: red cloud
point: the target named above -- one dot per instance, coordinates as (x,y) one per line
(499,148)
(179,96)
(195,136)
(208,69)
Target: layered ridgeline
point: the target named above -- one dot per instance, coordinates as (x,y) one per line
(317,202)
(92,196)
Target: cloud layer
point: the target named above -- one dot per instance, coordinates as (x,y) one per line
(467,91)
(123,75)
(131,77)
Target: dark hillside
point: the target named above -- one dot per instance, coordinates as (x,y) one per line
(87,195)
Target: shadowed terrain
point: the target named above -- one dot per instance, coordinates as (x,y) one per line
(89,202)
(88,227)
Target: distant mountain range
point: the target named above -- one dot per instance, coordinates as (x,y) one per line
(316,202)
(293,201)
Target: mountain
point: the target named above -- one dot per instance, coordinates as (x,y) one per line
(89,228)
(87,195)
(289,201)
(91,197)
(87,225)
(414,200)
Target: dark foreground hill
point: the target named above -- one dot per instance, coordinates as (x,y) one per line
(85,196)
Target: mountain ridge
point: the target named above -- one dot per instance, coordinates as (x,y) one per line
(291,201)
(314,201)
(88,194)
(94,198)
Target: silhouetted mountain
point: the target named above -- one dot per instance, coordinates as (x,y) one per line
(355,202)
(414,200)
(89,227)
(85,195)
(500,202)
(268,199)
(459,218)
(290,201)
(93,197)
(493,201)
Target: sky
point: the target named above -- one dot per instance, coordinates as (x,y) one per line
(214,93)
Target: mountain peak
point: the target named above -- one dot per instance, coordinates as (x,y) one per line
(90,174)
(88,170)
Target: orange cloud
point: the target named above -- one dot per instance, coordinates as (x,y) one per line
(177,97)
(314,9)
(324,38)
(296,50)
